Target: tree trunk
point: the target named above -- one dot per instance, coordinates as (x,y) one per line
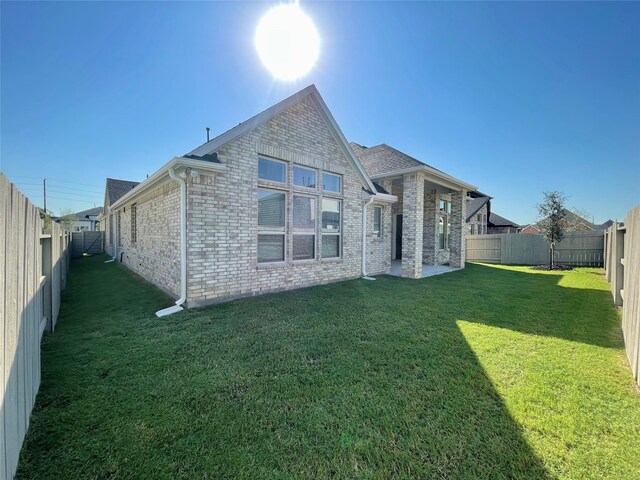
(551,256)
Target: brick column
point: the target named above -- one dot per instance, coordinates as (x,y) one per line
(430,223)
(457,244)
(412,225)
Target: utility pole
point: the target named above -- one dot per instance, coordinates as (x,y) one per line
(44,187)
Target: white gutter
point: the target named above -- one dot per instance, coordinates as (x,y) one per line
(115,237)
(437,175)
(364,239)
(183,244)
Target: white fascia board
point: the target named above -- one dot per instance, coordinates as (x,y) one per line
(384,197)
(433,175)
(161,177)
(257,120)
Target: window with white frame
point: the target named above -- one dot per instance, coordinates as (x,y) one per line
(444,226)
(331,182)
(272,170)
(304,177)
(111,229)
(271,225)
(134,223)
(377,221)
(331,228)
(304,227)
(119,223)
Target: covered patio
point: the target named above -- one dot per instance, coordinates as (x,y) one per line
(427,270)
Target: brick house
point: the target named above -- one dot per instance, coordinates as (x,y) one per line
(281,201)
(478,211)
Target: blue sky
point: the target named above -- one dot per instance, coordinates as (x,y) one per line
(516,98)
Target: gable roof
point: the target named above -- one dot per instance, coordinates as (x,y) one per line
(117,188)
(85,214)
(498,221)
(383,160)
(312,92)
(475,204)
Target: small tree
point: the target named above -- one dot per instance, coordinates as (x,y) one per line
(67,220)
(551,214)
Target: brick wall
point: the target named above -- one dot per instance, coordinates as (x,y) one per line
(222,212)
(156,253)
(480,226)
(379,248)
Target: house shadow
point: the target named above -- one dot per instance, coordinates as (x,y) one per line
(354,379)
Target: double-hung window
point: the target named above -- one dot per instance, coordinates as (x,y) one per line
(304,227)
(331,227)
(377,221)
(111,229)
(444,226)
(271,225)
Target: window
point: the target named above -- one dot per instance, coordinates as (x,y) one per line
(445,207)
(330,228)
(479,217)
(272,170)
(134,223)
(473,229)
(377,221)
(304,227)
(271,225)
(110,229)
(331,182)
(443,232)
(119,229)
(304,177)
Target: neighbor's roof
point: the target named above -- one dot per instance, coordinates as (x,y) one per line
(382,159)
(92,212)
(475,204)
(118,188)
(498,221)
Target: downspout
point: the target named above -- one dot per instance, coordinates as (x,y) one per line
(364,239)
(183,246)
(115,237)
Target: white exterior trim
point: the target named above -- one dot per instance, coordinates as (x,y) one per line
(434,175)
(161,177)
(311,91)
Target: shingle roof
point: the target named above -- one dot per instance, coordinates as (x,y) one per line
(117,188)
(383,159)
(92,212)
(475,204)
(498,221)
(379,188)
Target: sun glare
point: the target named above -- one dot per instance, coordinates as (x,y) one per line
(287,42)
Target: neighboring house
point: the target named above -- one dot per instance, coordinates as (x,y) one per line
(280,202)
(573,223)
(87,220)
(498,224)
(114,190)
(478,211)
(531,228)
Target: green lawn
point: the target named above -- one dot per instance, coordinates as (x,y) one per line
(489,372)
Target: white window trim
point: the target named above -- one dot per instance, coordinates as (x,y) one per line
(295,231)
(286,170)
(304,167)
(339,192)
(273,231)
(377,234)
(338,233)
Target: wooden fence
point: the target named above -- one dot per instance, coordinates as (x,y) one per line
(622,270)
(33,275)
(86,242)
(580,249)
